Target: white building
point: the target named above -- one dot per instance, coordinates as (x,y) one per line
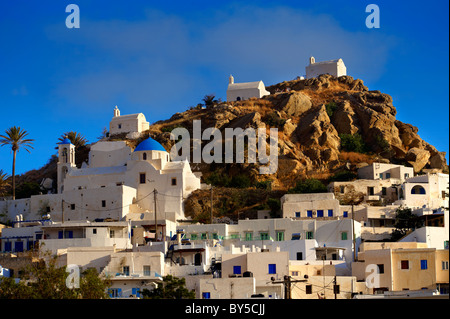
(117,184)
(246,90)
(127,123)
(333,67)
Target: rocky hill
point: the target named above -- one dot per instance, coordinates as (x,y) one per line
(312,117)
(326,125)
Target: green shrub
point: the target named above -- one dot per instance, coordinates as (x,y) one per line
(353,143)
(310,185)
(330,107)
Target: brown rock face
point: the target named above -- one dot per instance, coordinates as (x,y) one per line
(418,158)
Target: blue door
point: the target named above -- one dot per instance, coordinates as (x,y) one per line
(18,246)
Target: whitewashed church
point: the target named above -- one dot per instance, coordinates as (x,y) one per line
(333,67)
(117,182)
(245,90)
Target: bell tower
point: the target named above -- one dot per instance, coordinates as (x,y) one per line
(66,161)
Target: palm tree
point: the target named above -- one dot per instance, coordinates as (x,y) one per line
(75,138)
(3,181)
(81,147)
(15,137)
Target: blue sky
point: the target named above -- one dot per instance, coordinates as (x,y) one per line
(161,57)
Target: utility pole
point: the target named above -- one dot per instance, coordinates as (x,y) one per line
(353,230)
(156,221)
(287,285)
(62,211)
(211,217)
(335,288)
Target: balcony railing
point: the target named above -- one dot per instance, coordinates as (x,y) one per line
(133,275)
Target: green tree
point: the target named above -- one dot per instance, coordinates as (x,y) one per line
(309,185)
(353,143)
(405,221)
(75,138)
(92,286)
(45,280)
(16,138)
(171,288)
(27,189)
(4,183)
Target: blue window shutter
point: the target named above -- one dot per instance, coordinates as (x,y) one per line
(236,270)
(423,264)
(297,214)
(330,213)
(60,234)
(272,268)
(345,214)
(70,234)
(309,213)
(206,295)
(320,213)
(8,246)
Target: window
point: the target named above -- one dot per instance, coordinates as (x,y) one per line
(423,264)
(111,233)
(94,231)
(297,214)
(445,244)
(299,255)
(418,190)
(249,236)
(444,265)
(345,213)
(193,236)
(215,236)
(103,203)
(272,268)
(203,236)
(144,156)
(119,126)
(320,213)
(383,191)
(404,264)
(142,178)
(381,175)
(388,175)
(280,235)
(342,189)
(126,270)
(115,292)
(136,292)
(236,270)
(344,235)
(308,289)
(48,209)
(294,273)
(380,268)
(309,213)
(206,295)
(264,236)
(406,175)
(309,235)
(330,213)
(174,182)
(72,206)
(147,270)
(370,191)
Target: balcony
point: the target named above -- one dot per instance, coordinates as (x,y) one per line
(137,275)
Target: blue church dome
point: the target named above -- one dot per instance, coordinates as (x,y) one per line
(65,141)
(149,145)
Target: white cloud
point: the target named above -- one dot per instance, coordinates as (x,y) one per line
(164,57)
